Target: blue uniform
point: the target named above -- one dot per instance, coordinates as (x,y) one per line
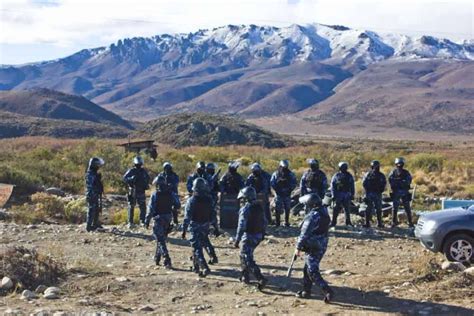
(138,181)
(199,214)
(261,183)
(314,181)
(160,208)
(283,183)
(94,191)
(313,240)
(172,180)
(213,186)
(400,182)
(343,191)
(250,232)
(374,183)
(194,176)
(231,183)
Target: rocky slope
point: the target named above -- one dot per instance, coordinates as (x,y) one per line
(208,130)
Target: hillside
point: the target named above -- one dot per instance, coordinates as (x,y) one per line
(17,125)
(423,95)
(208,130)
(249,70)
(46,103)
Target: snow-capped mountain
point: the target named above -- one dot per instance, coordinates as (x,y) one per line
(245,69)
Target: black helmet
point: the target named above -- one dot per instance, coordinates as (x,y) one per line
(247,193)
(167,166)
(159,181)
(234,165)
(138,160)
(399,161)
(255,167)
(201,165)
(200,186)
(311,200)
(313,163)
(211,166)
(284,164)
(96,162)
(343,166)
(374,164)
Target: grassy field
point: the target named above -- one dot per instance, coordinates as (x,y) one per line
(438,169)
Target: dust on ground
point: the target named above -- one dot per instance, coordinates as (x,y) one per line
(371,271)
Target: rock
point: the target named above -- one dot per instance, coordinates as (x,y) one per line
(60,313)
(11,311)
(51,296)
(456,266)
(7,283)
(252,304)
(332,272)
(55,191)
(40,289)
(469,271)
(28,295)
(145,308)
(121,279)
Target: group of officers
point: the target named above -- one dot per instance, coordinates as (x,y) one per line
(200,214)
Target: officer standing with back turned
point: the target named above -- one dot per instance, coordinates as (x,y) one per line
(138,180)
(400,182)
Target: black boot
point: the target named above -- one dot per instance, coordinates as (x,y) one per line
(287,218)
(328,295)
(409,218)
(335,213)
(213,259)
(157,259)
(244,277)
(277,220)
(348,218)
(204,269)
(262,281)
(379,220)
(167,262)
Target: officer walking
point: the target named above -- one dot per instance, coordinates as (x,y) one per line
(172,181)
(94,191)
(313,241)
(314,180)
(250,233)
(138,180)
(231,182)
(259,179)
(200,173)
(283,182)
(160,207)
(400,182)
(199,214)
(343,191)
(374,183)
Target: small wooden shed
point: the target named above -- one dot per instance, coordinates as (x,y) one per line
(136,146)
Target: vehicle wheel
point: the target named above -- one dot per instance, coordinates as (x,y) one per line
(459,248)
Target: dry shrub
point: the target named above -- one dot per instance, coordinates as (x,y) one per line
(28,268)
(49,204)
(420,178)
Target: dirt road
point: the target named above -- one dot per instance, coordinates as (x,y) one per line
(373,271)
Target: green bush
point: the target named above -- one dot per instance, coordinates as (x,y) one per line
(25,182)
(49,204)
(76,211)
(427,162)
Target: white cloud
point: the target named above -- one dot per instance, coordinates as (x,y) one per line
(88,23)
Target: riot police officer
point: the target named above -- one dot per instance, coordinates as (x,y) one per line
(231,182)
(199,173)
(259,179)
(343,191)
(160,207)
(400,182)
(314,180)
(172,181)
(138,180)
(374,183)
(94,191)
(283,182)
(313,241)
(199,214)
(250,233)
(213,180)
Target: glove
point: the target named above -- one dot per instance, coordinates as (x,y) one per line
(236,244)
(183,235)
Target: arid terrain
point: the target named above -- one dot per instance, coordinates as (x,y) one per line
(372,272)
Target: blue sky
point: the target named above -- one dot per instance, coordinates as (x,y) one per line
(35,30)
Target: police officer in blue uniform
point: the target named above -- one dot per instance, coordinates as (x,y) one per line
(160,207)
(374,183)
(313,241)
(94,191)
(137,180)
(259,179)
(283,182)
(400,182)
(250,232)
(231,182)
(172,181)
(199,214)
(314,180)
(199,173)
(343,191)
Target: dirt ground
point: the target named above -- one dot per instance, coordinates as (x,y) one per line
(376,271)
